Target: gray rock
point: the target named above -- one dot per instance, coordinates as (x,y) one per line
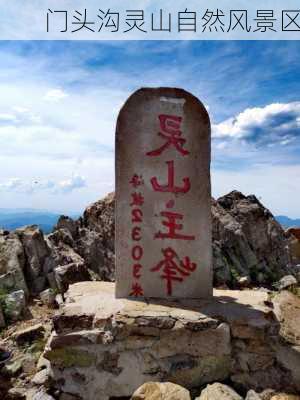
(252,395)
(14,305)
(218,391)
(2,320)
(48,297)
(29,334)
(286,282)
(12,262)
(65,275)
(36,251)
(42,377)
(69,224)
(251,241)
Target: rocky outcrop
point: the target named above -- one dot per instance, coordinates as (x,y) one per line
(36,253)
(248,241)
(294,244)
(12,262)
(249,248)
(102,345)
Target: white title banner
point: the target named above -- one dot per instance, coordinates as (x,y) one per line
(149,20)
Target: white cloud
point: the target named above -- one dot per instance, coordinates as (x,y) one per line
(276,122)
(31,187)
(55,95)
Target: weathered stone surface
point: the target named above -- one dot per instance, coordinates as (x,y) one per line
(67,274)
(163,154)
(48,297)
(294,244)
(218,391)
(37,252)
(14,305)
(12,262)
(161,391)
(287,311)
(117,344)
(283,396)
(248,241)
(2,320)
(29,334)
(286,282)
(252,395)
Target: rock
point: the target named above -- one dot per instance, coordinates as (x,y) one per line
(97,258)
(2,320)
(286,282)
(12,263)
(244,281)
(38,394)
(218,391)
(13,367)
(70,273)
(29,335)
(252,395)
(14,305)
(68,224)
(294,244)
(250,242)
(125,343)
(37,252)
(287,311)
(159,391)
(48,297)
(42,377)
(17,393)
(247,241)
(283,396)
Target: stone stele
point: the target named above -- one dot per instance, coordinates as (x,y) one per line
(163,196)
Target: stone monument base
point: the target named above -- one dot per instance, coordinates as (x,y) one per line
(105,348)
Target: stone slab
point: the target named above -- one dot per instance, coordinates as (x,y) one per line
(163,196)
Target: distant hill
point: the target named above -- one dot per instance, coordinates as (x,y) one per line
(11,219)
(287,222)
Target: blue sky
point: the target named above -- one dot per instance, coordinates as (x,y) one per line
(60,101)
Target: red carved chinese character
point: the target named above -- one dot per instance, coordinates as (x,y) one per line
(137,199)
(136,290)
(170,186)
(172,226)
(173,269)
(170,126)
(136,180)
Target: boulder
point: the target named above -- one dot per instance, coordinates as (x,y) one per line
(12,263)
(287,310)
(218,391)
(48,297)
(294,244)
(161,391)
(283,396)
(29,334)
(65,275)
(14,305)
(287,282)
(68,224)
(252,395)
(37,252)
(249,240)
